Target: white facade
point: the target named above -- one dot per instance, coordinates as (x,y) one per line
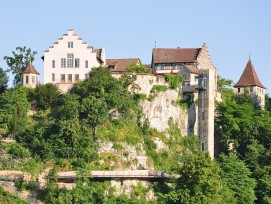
(30,80)
(69,60)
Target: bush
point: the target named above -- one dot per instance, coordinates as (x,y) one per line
(158,88)
(46,95)
(173,80)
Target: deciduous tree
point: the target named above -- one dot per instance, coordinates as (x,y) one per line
(3,80)
(19,61)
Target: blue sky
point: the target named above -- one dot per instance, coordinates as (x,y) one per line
(231,29)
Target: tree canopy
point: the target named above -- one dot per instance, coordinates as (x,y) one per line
(18,61)
(3,80)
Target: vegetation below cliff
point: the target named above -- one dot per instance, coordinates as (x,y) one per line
(73,132)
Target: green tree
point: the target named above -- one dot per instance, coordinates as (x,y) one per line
(224,86)
(137,68)
(174,80)
(102,85)
(95,111)
(237,177)
(68,108)
(19,61)
(46,95)
(240,121)
(223,83)
(3,80)
(199,182)
(13,109)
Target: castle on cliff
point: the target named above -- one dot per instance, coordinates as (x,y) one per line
(70,59)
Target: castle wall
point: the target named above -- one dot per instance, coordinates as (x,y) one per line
(260,92)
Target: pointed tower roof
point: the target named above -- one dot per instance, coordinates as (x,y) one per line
(30,69)
(249,77)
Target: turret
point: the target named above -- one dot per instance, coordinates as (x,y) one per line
(30,76)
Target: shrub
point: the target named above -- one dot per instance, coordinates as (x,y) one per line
(157,88)
(173,80)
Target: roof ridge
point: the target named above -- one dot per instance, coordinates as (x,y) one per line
(30,69)
(179,48)
(122,58)
(249,77)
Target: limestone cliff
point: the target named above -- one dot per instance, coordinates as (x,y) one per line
(162,108)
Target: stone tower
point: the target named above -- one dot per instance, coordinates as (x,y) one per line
(250,83)
(30,76)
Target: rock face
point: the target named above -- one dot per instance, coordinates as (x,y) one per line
(127,158)
(162,108)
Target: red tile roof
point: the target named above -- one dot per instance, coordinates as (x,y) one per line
(175,55)
(192,69)
(120,65)
(30,69)
(249,77)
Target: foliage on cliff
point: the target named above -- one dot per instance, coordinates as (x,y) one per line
(174,80)
(241,123)
(66,130)
(7,198)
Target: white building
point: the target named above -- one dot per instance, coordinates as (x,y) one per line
(69,60)
(30,77)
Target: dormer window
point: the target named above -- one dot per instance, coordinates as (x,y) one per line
(70,44)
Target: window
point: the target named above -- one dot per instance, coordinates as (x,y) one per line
(70,44)
(238,90)
(86,64)
(33,79)
(76,78)
(69,78)
(63,62)
(26,79)
(70,60)
(53,77)
(77,62)
(251,89)
(86,76)
(53,64)
(62,78)
(202,146)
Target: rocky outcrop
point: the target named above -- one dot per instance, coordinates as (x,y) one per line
(161,108)
(128,157)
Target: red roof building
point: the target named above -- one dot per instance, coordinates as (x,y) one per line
(120,65)
(249,83)
(171,60)
(30,76)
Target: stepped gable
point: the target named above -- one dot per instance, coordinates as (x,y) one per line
(30,69)
(249,77)
(120,65)
(175,55)
(76,37)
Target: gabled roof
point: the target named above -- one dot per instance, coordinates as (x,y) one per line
(30,69)
(120,65)
(175,55)
(249,77)
(192,69)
